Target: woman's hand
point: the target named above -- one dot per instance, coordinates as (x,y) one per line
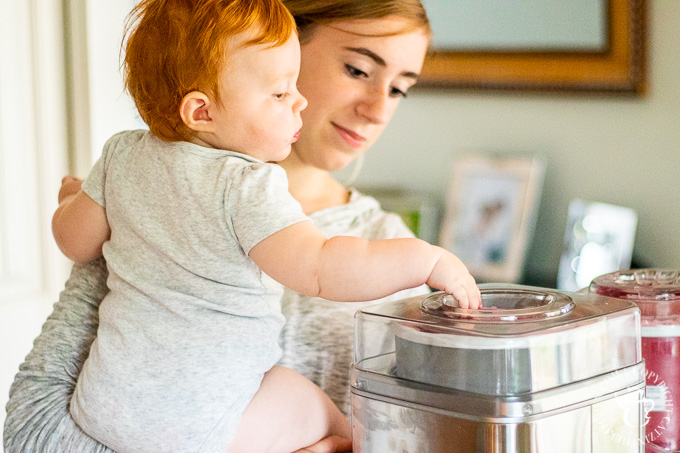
(452,276)
(70,185)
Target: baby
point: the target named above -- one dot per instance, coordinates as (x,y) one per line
(197,226)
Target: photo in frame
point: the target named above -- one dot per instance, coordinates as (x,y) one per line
(490,214)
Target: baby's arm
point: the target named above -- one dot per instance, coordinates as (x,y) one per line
(79,224)
(354,269)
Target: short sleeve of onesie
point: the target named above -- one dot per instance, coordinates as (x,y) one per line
(259,204)
(95,183)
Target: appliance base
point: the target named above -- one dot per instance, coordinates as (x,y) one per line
(383,425)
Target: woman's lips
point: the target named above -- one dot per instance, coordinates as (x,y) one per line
(351,138)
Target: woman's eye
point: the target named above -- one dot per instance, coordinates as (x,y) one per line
(354,72)
(397,93)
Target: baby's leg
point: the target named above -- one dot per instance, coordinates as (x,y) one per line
(289,412)
(333,444)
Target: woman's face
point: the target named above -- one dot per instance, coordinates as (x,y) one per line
(353,84)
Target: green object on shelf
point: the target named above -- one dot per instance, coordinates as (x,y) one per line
(412,221)
(418,210)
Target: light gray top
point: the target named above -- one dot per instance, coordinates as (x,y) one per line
(191,323)
(38,417)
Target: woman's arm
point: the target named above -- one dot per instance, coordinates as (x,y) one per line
(79,224)
(38,417)
(354,269)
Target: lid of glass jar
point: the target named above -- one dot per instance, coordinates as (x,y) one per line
(639,285)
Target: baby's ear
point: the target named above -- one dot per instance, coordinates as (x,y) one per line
(195,111)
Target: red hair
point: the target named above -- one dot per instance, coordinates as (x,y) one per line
(173,47)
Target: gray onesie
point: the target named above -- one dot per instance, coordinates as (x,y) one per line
(191,323)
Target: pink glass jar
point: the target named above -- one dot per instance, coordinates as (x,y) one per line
(657,293)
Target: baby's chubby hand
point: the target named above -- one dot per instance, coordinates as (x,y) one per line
(452,276)
(70,185)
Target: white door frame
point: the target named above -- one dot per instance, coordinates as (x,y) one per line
(33,146)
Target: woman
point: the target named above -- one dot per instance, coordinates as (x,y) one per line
(359,57)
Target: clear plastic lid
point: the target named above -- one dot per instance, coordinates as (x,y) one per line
(503,305)
(523,339)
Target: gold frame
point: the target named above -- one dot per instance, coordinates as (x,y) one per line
(619,69)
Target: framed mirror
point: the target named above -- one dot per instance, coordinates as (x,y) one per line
(551,45)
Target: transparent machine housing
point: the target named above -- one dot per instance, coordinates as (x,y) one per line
(528,356)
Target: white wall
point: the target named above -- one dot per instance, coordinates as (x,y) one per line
(618,150)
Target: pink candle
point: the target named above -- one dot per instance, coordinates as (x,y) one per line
(657,294)
(662,361)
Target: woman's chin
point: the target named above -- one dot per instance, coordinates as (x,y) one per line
(340,163)
(332,158)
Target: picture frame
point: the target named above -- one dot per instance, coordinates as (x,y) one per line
(598,239)
(619,67)
(490,214)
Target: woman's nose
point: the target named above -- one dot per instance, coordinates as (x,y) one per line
(375,106)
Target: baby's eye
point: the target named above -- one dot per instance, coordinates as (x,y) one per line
(354,72)
(280,95)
